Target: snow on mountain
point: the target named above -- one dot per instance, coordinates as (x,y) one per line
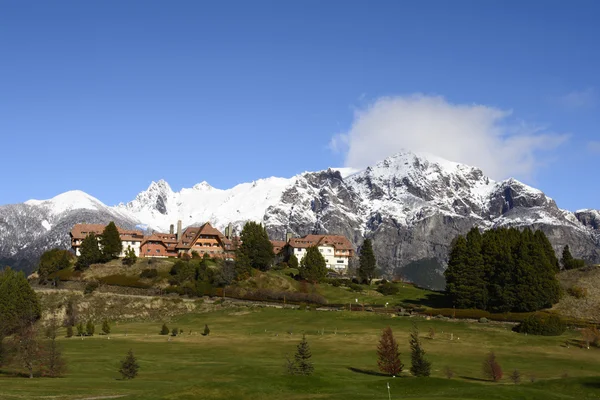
(68,201)
(159,206)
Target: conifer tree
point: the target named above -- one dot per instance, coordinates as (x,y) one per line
(419,365)
(256,250)
(313,266)
(206,330)
(111,242)
(90,328)
(105,327)
(302,358)
(388,355)
(164,330)
(89,252)
(367,262)
(129,366)
(293,262)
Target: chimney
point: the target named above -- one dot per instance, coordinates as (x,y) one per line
(178,230)
(288,236)
(229,231)
(172,229)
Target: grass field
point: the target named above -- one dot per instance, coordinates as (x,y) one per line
(243,358)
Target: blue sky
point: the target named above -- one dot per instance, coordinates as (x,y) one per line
(106,96)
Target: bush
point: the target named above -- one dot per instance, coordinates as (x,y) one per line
(483,320)
(90,328)
(542,324)
(90,287)
(355,287)
(149,273)
(388,289)
(174,332)
(577,292)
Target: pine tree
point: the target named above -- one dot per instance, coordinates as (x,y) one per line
(129,366)
(388,356)
(293,262)
(302,358)
(105,327)
(80,329)
(164,330)
(90,328)
(256,250)
(313,266)
(111,242)
(367,262)
(419,365)
(89,252)
(130,257)
(206,330)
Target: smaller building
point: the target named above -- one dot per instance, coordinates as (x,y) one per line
(159,245)
(336,249)
(129,238)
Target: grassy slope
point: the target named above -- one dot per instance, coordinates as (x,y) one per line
(244,354)
(588,307)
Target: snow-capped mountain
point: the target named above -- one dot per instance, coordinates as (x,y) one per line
(411,204)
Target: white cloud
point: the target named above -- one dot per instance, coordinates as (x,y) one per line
(594,146)
(472,134)
(578,99)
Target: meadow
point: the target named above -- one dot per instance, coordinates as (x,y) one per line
(243,358)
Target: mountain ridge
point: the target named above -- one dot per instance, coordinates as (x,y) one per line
(411,204)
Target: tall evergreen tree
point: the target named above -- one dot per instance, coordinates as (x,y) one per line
(111,242)
(388,355)
(313,266)
(89,252)
(419,365)
(456,274)
(256,250)
(367,262)
(568,262)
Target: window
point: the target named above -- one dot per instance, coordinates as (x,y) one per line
(158,250)
(340,261)
(147,250)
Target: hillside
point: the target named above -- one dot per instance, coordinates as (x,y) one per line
(581,297)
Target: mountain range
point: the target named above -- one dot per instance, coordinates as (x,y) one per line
(411,204)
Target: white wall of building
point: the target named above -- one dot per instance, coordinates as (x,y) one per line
(336,263)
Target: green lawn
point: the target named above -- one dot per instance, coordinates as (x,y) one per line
(243,358)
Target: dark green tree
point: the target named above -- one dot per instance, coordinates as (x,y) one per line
(80,329)
(54,260)
(206,330)
(90,328)
(568,262)
(313,266)
(293,262)
(367,262)
(129,366)
(419,365)
(19,304)
(105,327)
(256,250)
(111,242)
(164,330)
(70,331)
(89,252)
(302,358)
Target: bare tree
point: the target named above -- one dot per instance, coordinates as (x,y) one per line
(491,368)
(27,348)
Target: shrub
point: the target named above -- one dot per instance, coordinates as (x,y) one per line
(80,329)
(591,335)
(174,332)
(542,324)
(105,327)
(483,320)
(449,372)
(577,292)
(164,330)
(491,368)
(91,287)
(355,287)
(149,273)
(206,330)
(515,377)
(388,289)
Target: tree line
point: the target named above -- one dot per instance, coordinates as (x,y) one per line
(503,270)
